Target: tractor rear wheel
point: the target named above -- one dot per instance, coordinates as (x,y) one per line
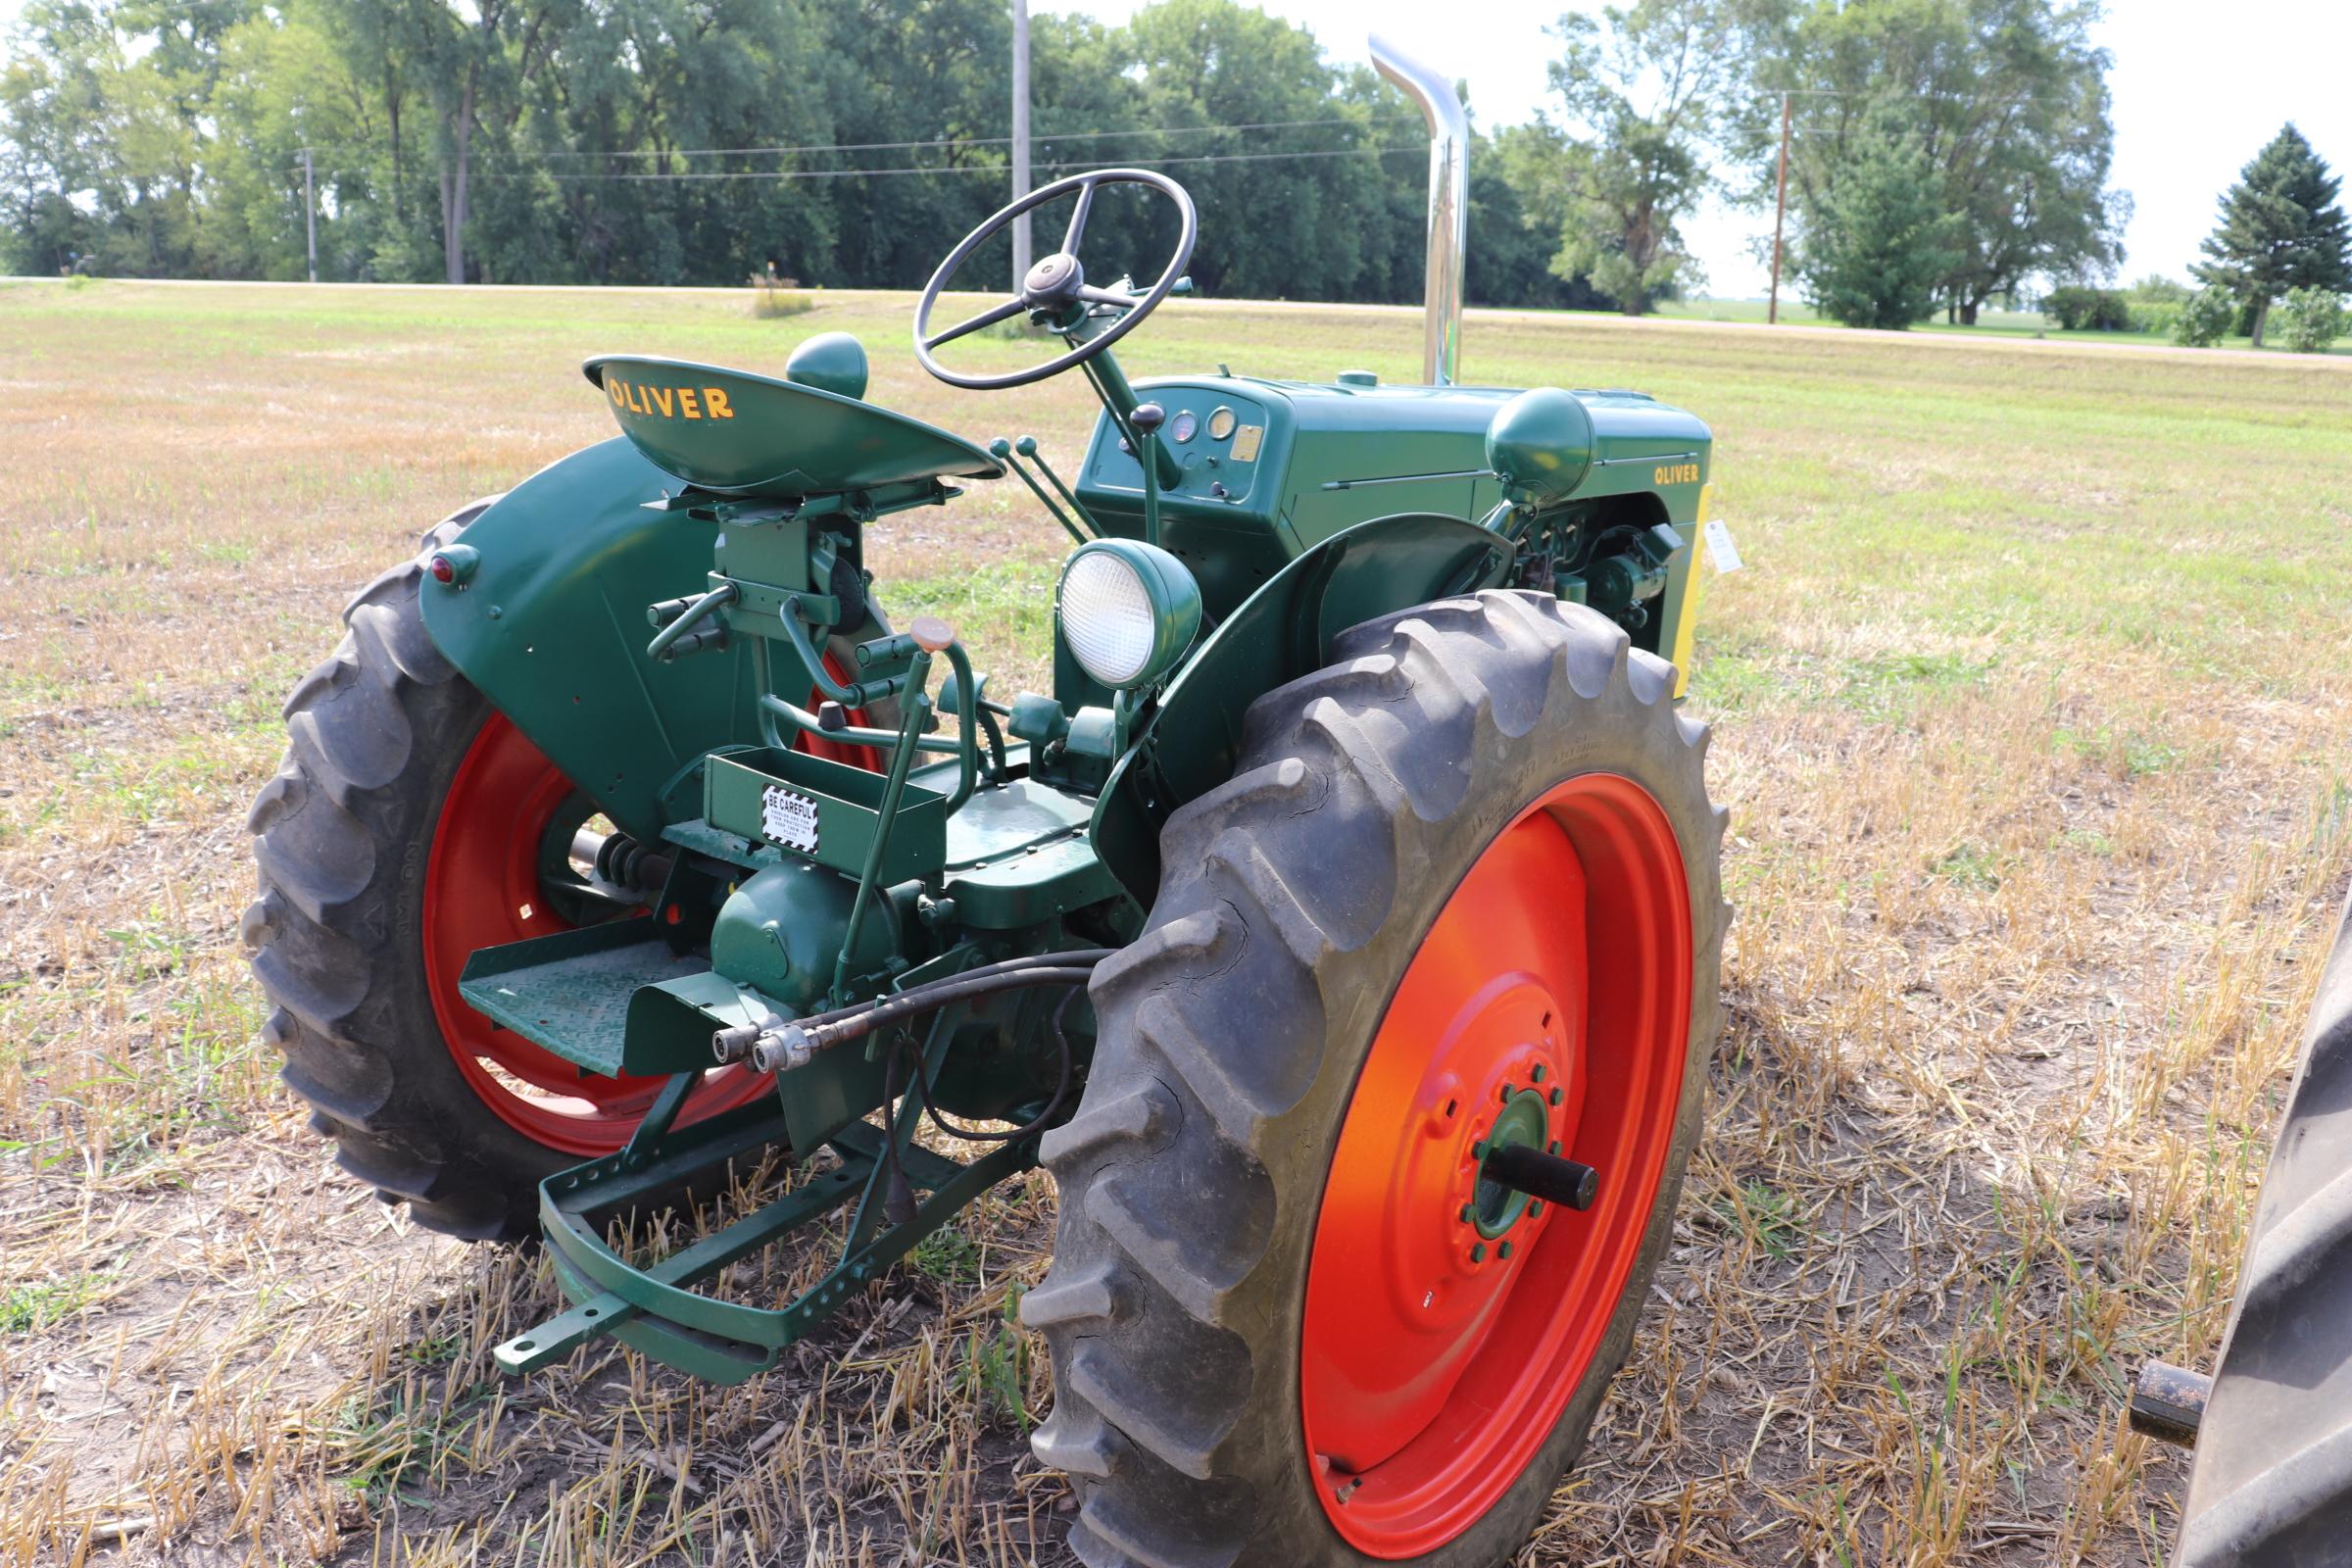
(2272,1482)
(1462,898)
(410,825)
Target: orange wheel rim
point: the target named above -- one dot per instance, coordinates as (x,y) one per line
(482,887)
(1449,1320)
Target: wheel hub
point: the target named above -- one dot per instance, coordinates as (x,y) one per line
(1524,1122)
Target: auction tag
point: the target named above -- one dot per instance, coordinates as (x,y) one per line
(788,818)
(1720,549)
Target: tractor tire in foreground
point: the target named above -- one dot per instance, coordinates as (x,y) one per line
(408,825)
(2272,1482)
(1462,894)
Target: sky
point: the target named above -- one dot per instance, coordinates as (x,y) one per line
(2194,98)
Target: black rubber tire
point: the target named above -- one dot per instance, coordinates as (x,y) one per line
(374,736)
(1293,897)
(2272,1487)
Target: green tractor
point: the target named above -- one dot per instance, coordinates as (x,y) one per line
(1341,931)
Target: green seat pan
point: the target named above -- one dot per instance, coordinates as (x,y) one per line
(741,434)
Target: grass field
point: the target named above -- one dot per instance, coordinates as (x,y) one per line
(2031,712)
(1990,322)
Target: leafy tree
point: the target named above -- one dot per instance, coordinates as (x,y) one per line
(574,140)
(1880,243)
(2205,318)
(2280,230)
(2311,319)
(1520,199)
(1210,64)
(1643,89)
(2008,102)
(2077,308)
(2157,288)
(101,167)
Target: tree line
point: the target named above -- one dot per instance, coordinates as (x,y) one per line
(1956,147)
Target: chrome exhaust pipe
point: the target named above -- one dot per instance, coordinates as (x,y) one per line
(1449,207)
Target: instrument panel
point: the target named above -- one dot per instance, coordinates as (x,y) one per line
(1215,436)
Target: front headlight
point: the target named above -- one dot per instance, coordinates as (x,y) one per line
(1128,611)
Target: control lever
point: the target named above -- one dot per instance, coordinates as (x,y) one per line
(1027,448)
(1147,418)
(1002,450)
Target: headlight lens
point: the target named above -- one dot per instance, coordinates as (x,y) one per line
(1128,611)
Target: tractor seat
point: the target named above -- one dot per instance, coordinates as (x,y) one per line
(741,434)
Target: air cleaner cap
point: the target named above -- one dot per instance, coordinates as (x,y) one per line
(1540,445)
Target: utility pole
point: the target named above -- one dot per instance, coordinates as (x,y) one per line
(309,214)
(1780,207)
(1023,250)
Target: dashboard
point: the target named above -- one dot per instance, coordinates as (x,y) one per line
(1216,435)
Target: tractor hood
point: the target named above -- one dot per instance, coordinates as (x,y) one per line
(1270,469)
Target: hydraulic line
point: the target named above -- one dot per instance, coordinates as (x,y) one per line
(898,1009)
(816,1031)
(1061,1090)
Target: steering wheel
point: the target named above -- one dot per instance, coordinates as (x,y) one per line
(1057,282)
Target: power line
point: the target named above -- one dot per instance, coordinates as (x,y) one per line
(949,168)
(933,141)
(973,141)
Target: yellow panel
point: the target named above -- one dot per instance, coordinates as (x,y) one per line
(1688,621)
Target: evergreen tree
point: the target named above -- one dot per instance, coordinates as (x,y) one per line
(2280,230)
(1880,242)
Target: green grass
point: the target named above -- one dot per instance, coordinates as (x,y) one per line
(25,1308)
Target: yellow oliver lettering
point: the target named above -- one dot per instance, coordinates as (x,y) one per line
(687,405)
(715,398)
(663,400)
(1676,473)
(620,398)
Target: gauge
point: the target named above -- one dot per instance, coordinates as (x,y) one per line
(1182,428)
(1220,425)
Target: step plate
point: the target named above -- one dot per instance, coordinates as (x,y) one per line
(569,993)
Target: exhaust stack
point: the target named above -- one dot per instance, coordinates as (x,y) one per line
(1449,207)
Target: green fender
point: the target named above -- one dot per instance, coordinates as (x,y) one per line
(1191,740)
(551,627)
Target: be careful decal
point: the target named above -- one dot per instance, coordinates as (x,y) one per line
(669,402)
(789,817)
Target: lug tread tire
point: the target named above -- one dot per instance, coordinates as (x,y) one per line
(2273,1483)
(1291,898)
(341,836)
